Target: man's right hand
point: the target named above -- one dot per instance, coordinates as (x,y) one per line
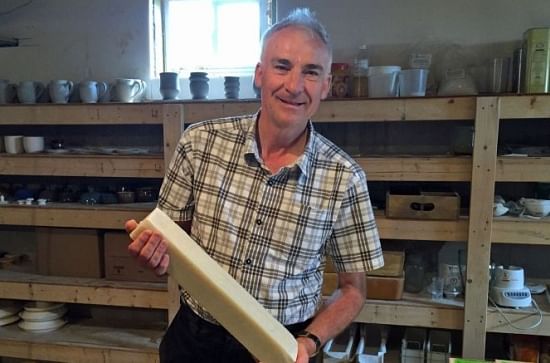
(149,248)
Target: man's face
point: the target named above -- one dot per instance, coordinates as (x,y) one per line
(294,76)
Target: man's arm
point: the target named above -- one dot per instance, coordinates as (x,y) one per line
(338,311)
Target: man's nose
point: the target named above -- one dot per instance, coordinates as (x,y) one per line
(295,82)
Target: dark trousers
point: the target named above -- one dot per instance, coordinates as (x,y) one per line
(190,338)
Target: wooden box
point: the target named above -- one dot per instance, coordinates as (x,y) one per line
(393,265)
(424,205)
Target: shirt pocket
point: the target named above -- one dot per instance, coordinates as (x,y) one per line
(299,237)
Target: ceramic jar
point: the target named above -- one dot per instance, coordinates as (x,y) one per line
(198,85)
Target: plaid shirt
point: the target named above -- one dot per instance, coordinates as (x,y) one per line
(271,232)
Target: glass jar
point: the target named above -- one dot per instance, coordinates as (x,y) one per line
(414,273)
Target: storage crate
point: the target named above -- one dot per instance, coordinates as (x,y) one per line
(385,288)
(393,265)
(371,347)
(340,348)
(413,345)
(438,349)
(424,205)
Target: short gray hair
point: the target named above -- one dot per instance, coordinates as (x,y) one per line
(300,17)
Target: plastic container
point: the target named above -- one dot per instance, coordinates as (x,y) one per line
(340,349)
(371,347)
(383,85)
(360,73)
(412,82)
(438,349)
(413,345)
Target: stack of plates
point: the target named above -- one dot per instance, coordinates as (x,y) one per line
(40,316)
(8,311)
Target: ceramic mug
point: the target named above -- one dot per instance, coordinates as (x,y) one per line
(33,144)
(29,91)
(7,91)
(128,89)
(13,144)
(60,90)
(91,91)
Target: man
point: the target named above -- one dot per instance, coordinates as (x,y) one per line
(267,197)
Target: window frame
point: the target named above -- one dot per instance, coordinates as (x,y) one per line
(159,36)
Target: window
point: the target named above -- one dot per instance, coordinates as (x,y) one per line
(218,36)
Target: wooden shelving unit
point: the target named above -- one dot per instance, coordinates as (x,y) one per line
(481,171)
(81,339)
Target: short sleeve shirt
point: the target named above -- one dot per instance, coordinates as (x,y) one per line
(271,232)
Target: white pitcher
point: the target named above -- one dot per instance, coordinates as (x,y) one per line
(91,91)
(128,90)
(60,90)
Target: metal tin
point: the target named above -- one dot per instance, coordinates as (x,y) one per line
(537,60)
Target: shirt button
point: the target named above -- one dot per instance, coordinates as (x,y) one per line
(248,261)
(259,222)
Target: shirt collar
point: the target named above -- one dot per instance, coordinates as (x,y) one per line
(252,154)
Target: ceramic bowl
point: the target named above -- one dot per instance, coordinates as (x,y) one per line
(126,196)
(536,207)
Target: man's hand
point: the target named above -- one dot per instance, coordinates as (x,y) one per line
(306,347)
(149,248)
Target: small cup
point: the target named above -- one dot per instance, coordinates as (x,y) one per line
(41,201)
(33,144)
(13,144)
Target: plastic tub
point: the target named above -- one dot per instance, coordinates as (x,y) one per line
(383,85)
(412,82)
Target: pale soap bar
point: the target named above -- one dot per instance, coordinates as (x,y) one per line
(223,297)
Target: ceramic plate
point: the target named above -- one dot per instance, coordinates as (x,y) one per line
(42,306)
(8,320)
(43,315)
(41,326)
(9,308)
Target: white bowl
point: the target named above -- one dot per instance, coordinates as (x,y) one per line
(536,207)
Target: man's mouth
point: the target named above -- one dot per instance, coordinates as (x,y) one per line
(292,103)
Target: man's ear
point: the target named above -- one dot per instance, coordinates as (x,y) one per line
(258,75)
(327,83)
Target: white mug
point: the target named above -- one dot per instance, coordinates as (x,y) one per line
(91,91)
(29,91)
(60,90)
(13,144)
(7,91)
(33,144)
(128,90)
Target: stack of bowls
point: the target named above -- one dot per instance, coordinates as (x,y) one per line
(9,310)
(41,316)
(536,207)
(232,87)
(198,85)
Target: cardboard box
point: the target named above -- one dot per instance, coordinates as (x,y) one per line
(120,265)
(424,205)
(330,283)
(69,252)
(385,288)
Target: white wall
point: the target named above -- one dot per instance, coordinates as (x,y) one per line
(105,39)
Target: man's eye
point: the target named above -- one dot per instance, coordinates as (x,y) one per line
(281,67)
(312,75)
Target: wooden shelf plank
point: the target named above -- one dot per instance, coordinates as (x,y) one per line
(414,310)
(530,106)
(417,168)
(134,166)
(521,230)
(523,169)
(24,286)
(81,342)
(352,110)
(429,230)
(73,215)
(82,114)
(397,109)
(522,318)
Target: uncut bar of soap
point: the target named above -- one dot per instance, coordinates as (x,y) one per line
(223,297)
